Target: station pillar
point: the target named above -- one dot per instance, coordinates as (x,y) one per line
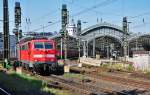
(84,49)
(93,47)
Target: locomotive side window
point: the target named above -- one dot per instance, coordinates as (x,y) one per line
(24,47)
(38,45)
(48,45)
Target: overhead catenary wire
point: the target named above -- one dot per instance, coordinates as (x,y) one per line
(47,14)
(46,26)
(104,3)
(139,15)
(96,11)
(143,24)
(140,25)
(44,16)
(35,19)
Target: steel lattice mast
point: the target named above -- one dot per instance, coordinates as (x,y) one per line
(17,31)
(6,30)
(125,44)
(65,19)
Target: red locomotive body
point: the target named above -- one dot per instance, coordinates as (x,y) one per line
(37,53)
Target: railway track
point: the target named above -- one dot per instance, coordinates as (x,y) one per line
(4,92)
(68,84)
(90,88)
(77,86)
(112,78)
(127,81)
(132,74)
(58,82)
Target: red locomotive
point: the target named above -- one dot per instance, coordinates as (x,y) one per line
(37,53)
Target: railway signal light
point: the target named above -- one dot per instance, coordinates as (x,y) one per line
(62,32)
(20,34)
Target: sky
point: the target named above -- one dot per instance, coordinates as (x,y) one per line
(48,12)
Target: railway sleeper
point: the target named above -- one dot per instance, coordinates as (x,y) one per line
(55,85)
(98,93)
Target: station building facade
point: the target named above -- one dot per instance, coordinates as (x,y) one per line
(12,41)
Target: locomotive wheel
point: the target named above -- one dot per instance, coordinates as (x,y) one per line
(59,70)
(34,68)
(44,72)
(51,70)
(37,69)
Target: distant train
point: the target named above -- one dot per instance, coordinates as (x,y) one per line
(72,50)
(37,53)
(71,54)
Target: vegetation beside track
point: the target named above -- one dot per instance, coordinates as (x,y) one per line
(73,75)
(27,85)
(120,67)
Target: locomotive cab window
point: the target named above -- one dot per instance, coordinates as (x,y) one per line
(48,45)
(43,45)
(38,45)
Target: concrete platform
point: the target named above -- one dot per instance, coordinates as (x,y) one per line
(96,62)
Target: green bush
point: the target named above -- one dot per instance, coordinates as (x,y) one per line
(23,84)
(130,67)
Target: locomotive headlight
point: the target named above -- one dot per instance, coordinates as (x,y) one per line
(41,56)
(50,55)
(38,56)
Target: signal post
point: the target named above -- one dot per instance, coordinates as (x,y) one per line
(18,33)
(64,35)
(125,43)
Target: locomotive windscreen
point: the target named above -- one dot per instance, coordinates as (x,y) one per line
(48,45)
(43,45)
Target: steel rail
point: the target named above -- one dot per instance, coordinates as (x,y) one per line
(4,92)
